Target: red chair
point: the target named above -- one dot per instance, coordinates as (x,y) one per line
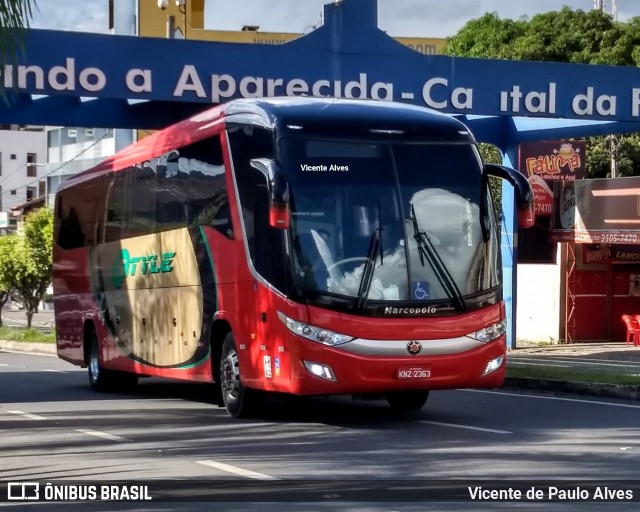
(637,338)
(633,330)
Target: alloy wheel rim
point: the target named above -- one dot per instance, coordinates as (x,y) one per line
(231,375)
(94,365)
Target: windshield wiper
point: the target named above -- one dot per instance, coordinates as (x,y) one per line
(427,251)
(375,248)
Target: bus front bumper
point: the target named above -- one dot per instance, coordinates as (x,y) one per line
(383,366)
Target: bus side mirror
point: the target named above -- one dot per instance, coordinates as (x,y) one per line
(523,192)
(279,214)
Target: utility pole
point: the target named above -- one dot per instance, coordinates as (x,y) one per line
(599,5)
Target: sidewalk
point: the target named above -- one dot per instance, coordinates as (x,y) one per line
(615,358)
(30,347)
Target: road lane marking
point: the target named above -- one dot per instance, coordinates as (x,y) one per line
(577,400)
(466,427)
(236,470)
(103,435)
(2,364)
(27,415)
(529,363)
(54,371)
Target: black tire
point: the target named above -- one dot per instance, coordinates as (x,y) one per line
(101,379)
(239,401)
(215,372)
(407,401)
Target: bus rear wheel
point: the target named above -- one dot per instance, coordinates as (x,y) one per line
(407,401)
(238,400)
(101,379)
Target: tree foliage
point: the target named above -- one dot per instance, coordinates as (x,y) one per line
(585,37)
(5,286)
(573,36)
(26,260)
(14,19)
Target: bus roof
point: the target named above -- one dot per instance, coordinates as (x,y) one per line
(318,116)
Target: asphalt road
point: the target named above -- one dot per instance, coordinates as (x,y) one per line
(55,428)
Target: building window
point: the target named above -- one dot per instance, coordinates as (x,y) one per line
(13,156)
(13,192)
(32,167)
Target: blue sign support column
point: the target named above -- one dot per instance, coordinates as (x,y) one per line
(509,246)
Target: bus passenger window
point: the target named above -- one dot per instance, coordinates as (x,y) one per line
(71,235)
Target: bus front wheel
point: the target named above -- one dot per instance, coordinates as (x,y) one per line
(238,400)
(407,401)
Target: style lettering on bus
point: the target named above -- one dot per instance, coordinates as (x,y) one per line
(150,264)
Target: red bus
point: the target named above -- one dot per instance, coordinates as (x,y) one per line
(306,246)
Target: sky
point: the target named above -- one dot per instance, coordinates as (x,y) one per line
(409,18)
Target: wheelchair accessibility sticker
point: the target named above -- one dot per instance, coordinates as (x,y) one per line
(421,290)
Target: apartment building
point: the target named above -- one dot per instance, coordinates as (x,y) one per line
(23,153)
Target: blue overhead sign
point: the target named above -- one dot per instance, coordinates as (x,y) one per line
(348,56)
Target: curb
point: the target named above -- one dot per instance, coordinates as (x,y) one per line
(32,348)
(627,392)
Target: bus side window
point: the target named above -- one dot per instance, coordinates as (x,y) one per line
(70,235)
(222,218)
(194,192)
(140,200)
(115,209)
(249,142)
(266,245)
(59,215)
(79,215)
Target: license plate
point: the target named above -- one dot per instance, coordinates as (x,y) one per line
(413,372)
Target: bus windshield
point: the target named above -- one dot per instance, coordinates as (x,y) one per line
(390,221)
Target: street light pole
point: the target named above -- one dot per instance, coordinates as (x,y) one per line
(171,27)
(182,7)
(171,19)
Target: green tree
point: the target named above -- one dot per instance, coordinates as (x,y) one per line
(14,19)
(590,37)
(27,263)
(486,37)
(5,288)
(491,153)
(613,156)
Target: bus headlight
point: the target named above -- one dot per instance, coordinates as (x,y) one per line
(313,333)
(490,333)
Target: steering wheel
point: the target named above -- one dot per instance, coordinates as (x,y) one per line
(346,260)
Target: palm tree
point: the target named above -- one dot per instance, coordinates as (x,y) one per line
(14,19)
